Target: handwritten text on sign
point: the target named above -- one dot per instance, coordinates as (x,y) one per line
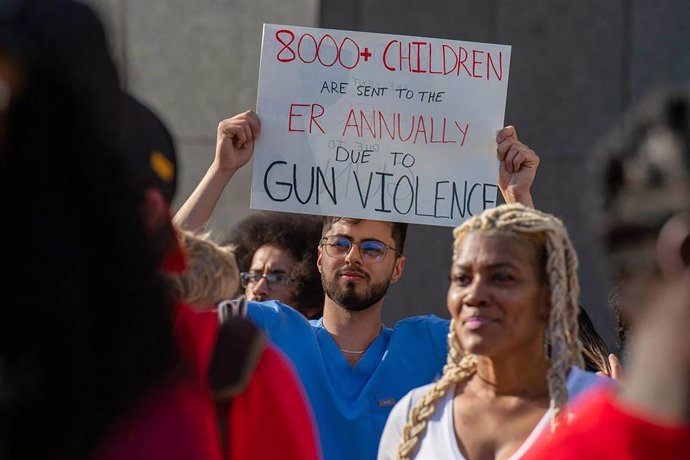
(378,126)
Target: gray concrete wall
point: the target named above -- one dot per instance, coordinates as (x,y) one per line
(196,63)
(575,66)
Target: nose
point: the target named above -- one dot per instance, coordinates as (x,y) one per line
(476,294)
(353,257)
(259,290)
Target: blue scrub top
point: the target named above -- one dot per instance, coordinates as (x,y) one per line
(351,404)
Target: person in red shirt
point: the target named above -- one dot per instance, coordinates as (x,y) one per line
(89,362)
(257,388)
(648,416)
(644,172)
(264,396)
(96,361)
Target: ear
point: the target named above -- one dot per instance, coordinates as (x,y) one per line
(398,269)
(319,263)
(156,209)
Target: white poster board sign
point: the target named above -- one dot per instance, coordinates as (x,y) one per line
(378,126)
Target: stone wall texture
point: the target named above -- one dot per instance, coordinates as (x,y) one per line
(576,66)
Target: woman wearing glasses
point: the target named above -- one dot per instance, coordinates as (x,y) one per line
(514,355)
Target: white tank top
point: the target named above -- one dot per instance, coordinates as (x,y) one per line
(439,441)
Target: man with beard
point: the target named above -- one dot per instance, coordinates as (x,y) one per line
(354,368)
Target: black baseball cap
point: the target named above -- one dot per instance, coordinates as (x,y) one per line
(148,145)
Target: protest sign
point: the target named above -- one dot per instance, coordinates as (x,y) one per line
(378,126)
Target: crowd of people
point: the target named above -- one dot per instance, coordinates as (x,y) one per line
(126,333)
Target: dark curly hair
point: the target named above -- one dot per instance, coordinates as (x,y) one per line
(594,350)
(298,235)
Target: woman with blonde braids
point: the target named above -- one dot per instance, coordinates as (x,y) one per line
(514,358)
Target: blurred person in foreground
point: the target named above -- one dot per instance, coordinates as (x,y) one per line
(89,363)
(643,176)
(96,361)
(253,386)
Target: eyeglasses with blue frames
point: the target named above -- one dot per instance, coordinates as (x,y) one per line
(369,250)
(274,280)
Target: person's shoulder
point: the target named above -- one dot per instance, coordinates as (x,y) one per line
(427,321)
(420,335)
(403,406)
(428,325)
(580,380)
(271,313)
(316,322)
(578,374)
(392,432)
(269,306)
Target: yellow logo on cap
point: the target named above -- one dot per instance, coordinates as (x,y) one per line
(162,166)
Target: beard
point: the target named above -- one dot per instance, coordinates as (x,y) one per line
(348,297)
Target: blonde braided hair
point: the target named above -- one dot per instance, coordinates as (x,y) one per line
(562,328)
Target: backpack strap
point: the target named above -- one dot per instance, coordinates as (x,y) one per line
(236,354)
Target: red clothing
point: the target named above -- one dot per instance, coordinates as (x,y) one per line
(173,423)
(196,335)
(270,419)
(176,421)
(603,429)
